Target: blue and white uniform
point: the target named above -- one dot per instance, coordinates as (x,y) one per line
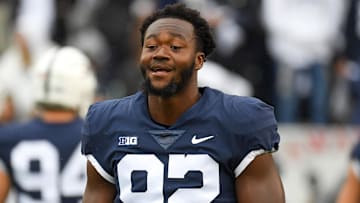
(44,161)
(197,159)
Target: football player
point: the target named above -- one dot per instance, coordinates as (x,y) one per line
(41,158)
(174,141)
(350,191)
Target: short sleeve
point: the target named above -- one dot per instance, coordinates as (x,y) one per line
(86,145)
(355,153)
(94,144)
(258,134)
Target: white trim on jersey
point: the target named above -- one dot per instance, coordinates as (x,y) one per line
(247,160)
(99,169)
(355,166)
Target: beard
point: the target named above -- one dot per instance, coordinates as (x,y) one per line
(173,87)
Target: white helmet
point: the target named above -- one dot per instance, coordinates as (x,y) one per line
(64,77)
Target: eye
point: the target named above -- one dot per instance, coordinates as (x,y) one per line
(151,47)
(175,48)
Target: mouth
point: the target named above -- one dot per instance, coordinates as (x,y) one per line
(160,72)
(160,68)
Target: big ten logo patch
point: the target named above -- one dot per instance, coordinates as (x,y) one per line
(128,140)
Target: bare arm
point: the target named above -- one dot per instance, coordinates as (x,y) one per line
(5,185)
(97,188)
(349,192)
(7,114)
(260,182)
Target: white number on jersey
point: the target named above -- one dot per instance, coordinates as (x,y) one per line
(48,180)
(178,166)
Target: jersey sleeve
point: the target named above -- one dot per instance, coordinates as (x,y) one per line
(355,153)
(257,132)
(94,143)
(7,133)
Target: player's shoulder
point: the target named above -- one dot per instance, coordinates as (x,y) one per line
(246,110)
(251,112)
(103,112)
(112,106)
(12,128)
(249,121)
(12,132)
(242,103)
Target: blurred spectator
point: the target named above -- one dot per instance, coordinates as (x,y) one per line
(303,36)
(340,108)
(248,57)
(348,65)
(217,76)
(89,26)
(29,42)
(113,19)
(5,15)
(76,26)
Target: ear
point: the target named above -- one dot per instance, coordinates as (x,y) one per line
(199,60)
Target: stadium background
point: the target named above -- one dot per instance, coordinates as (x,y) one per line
(313,155)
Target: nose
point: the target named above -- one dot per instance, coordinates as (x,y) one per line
(161,53)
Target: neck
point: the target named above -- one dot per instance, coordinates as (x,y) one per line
(166,111)
(58,116)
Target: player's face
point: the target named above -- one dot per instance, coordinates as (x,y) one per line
(169,57)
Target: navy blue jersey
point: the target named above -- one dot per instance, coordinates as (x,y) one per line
(355,153)
(194,160)
(352,31)
(44,161)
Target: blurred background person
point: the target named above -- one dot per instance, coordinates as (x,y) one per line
(5,15)
(215,75)
(346,99)
(240,36)
(29,40)
(303,37)
(41,158)
(80,24)
(105,31)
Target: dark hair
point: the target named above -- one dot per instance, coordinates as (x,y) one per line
(205,41)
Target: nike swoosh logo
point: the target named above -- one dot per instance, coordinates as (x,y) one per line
(196,140)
